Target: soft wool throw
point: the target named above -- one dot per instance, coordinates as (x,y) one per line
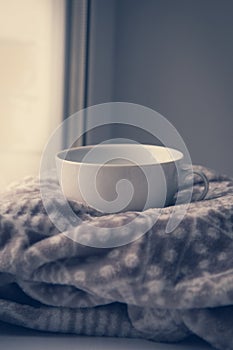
(162,287)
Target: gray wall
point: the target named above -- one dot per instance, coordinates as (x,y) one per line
(176,56)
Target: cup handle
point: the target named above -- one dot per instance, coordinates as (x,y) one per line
(188,172)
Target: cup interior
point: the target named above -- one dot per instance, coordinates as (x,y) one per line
(120,155)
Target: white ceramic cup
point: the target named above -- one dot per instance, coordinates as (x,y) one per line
(120,177)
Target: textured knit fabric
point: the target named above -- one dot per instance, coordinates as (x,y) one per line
(163,286)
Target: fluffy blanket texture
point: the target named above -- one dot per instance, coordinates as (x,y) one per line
(162,287)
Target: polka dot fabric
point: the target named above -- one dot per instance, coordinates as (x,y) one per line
(163,286)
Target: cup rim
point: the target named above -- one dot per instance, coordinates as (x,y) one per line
(60,156)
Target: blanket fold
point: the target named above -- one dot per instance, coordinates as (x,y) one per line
(162,287)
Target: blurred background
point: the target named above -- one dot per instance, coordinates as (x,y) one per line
(59,56)
(31,82)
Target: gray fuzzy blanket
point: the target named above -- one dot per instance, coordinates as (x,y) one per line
(162,287)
